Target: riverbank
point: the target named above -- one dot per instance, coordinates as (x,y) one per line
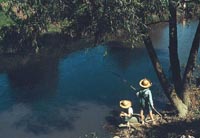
(177,128)
(52,46)
(169,126)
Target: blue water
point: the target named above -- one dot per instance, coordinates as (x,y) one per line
(76,95)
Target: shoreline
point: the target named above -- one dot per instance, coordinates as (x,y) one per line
(169,126)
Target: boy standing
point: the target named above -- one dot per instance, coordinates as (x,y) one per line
(145,99)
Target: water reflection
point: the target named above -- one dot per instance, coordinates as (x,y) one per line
(133,64)
(64,97)
(44,122)
(33,82)
(70,122)
(121,56)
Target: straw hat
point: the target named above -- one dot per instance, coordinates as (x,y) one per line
(145,83)
(125,104)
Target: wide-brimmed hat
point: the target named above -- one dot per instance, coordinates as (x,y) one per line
(125,104)
(145,83)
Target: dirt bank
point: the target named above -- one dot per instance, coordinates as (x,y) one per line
(169,126)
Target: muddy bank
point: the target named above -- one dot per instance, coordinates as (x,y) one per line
(169,126)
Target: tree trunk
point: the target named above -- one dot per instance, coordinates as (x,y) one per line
(173,52)
(169,91)
(190,66)
(178,104)
(157,66)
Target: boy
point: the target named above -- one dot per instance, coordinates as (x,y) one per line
(145,99)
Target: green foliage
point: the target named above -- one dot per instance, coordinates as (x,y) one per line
(98,19)
(84,18)
(5,21)
(53,28)
(30,18)
(3,1)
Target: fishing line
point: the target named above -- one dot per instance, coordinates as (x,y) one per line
(125,81)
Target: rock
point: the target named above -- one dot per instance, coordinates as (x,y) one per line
(184,136)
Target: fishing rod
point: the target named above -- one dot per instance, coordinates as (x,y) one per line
(156,111)
(131,86)
(123,80)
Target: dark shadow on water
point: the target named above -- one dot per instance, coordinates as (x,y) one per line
(34,81)
(122,57)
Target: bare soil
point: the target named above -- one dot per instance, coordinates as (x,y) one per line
(169,126)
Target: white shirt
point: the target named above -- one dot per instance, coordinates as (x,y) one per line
(130,111)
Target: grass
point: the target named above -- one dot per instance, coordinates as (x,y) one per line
(54,28)
(3,0)
(4,20)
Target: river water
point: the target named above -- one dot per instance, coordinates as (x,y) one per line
(76,96)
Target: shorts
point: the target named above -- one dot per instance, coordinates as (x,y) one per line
(145,105)
(132,119)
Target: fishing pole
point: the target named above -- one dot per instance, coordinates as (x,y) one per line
(123,80)
(131,86)
(156,111)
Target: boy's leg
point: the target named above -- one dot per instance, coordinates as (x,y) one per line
(142,116)
(151,116)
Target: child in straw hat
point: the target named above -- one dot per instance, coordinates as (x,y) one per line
(145,99)
(126,104)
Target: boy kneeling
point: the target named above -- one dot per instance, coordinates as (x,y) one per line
(129,118)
